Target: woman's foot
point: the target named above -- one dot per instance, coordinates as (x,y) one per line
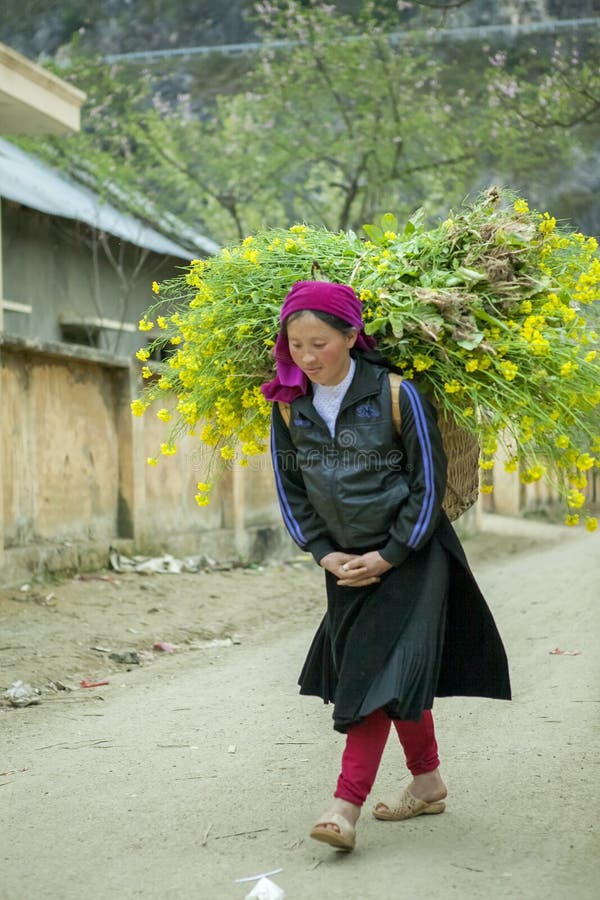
(336,827)
(428,787)
(424,796)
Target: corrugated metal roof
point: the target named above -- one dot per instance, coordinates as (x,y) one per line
(26,179)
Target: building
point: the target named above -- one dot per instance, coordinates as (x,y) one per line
(76,276)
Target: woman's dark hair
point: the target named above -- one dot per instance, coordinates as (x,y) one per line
(332,321)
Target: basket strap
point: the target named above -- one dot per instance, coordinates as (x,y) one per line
(395,382)
(286,412)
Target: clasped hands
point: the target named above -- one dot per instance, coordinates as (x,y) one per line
(355,571)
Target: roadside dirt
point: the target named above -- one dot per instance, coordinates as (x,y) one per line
(56,634)
(192,772)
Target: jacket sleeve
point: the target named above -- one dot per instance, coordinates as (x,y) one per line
(305,526)
(424,467)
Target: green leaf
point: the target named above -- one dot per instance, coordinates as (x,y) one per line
(469,276)
(375,325)
(472,342)
(374,233)
(389,222)
(397,324)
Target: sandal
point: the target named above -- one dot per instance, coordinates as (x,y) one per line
(344,839)
(406,807)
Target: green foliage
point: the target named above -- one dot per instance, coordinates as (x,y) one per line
(333,128)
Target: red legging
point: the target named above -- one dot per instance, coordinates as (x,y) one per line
(364,746)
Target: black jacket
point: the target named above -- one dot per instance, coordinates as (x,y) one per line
(367,487)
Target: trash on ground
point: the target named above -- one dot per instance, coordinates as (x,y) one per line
(20,694)
(257,877)
(92,684)
(149,565)
(558,652)
(266,890)
(232,748)
(164,646)
(127,657)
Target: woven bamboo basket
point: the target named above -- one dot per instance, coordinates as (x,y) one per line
(462,480)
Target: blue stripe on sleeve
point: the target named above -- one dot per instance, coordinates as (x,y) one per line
(423,435)
(290,522)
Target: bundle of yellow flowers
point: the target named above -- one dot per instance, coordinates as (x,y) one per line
(493,309)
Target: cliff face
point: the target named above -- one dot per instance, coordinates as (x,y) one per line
(38,29)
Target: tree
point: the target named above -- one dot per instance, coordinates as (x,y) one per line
(340,120)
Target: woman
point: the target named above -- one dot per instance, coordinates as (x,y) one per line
(405,619)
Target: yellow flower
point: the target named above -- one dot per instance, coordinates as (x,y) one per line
(584,461)
(511,465)
(452,387)
(547,224)
(509,370)
(298,229)
(139,407)
(227,452)
(591,523)
(575,499)
(251,448)
(489,445)
(572,519)
(155,287)
(204,486)
(521,206)
(422,363)
(143,354)
(161,322)
(578,481)
(486,488)
(175,340)
(486,463)
(591,356)
(562,441)
(468,411)
(471,365)
(164,415)
(168,449)
(390,235)
(152,461)
(146,372)
(145,325)
(202,499)
(568,368)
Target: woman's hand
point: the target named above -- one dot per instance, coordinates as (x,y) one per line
(333,562)
(356,571)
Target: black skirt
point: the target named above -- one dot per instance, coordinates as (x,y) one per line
(381,645)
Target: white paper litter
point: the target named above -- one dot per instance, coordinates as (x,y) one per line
(20,694)
(266,890)
(148,565)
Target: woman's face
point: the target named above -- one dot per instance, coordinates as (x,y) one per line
(322,352)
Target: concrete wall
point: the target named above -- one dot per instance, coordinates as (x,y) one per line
(74,476)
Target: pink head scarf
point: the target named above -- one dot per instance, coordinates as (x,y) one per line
(322,296)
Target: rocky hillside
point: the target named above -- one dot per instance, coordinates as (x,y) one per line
(38,29)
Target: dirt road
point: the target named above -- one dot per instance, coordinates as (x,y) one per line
(183,775)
